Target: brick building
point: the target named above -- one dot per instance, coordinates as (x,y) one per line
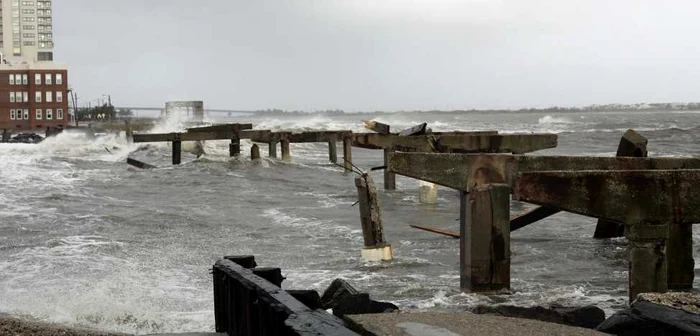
(33,96)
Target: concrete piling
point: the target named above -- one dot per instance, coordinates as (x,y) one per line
(681,265)
(389,176)
(347,154)
(254,152)
(177,149)
(234,148)
(286,153)
(375,249)
(486,239)
(427,192)
(648,266)
(272,149)
(332,152)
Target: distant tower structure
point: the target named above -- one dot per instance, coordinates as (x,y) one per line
(27,29)
(191,110)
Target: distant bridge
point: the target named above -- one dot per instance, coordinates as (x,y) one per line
(162,108)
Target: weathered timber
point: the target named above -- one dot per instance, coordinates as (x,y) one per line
(473,142)
(370,214)
(438,231)
(415,130)
(389,177)
(286,152)
(632,144)
(524,219)
(319,136)
(487,246)
(245,261)
(139,164)
(308,297)
(347,154)
(271,274)
(377,127)
(254,152)
(177,149)
(649,196)
(272,149)
(245,304)
(461,171)
(332,152)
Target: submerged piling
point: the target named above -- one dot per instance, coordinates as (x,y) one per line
(177,149)
(347,154)
(272,149)
(254,152)
(648,265)
(332,152)
(235,146)
(286,153)
(389,176)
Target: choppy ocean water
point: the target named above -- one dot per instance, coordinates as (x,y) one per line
(87,240)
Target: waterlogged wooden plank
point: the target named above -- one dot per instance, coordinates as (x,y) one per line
(642,196)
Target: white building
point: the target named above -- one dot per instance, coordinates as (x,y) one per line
(27,29)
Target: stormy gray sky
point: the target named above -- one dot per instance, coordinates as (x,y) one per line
(366,55)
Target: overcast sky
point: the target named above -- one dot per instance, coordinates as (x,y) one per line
(366,55)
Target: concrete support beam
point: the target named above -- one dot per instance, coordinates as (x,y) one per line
(389,177)
(254,152)
(486,256)
(319,136)
(632,144)
(648,196)
(376,248)
(461,171)
(177,150)
(221,127)
(463,143)
(648,261)
(679,249)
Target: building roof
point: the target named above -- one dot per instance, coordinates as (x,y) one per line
(18,63)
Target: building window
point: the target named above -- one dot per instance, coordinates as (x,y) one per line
(49,114)
(25,81)
(37,96)
(49,98)
(59,114)
(26,114)
(37,79)
(38,114)
(59,79)
(48,79)
(18,114)
(26,97)
(59,96)
(12,114)
(12,97)
(12,79)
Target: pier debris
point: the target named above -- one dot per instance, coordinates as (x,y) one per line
(28,138)
(346,300)
(377,127)
(139,164)
(415,130)
(375,249)
(438,231)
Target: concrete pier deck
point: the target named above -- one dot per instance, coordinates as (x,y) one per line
(457,324)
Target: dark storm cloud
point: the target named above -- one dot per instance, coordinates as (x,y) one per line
(380,54)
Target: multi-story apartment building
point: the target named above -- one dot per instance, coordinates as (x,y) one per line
(33,96)
(27,29)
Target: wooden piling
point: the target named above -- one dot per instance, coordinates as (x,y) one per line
(177,149)
(347,154)
(681,265)
(254,152)
(389,176)
(487,243)
(234,148)
(375,248)
(272,149)
(286,153)
(648,266)
(632,144)
(332,152)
